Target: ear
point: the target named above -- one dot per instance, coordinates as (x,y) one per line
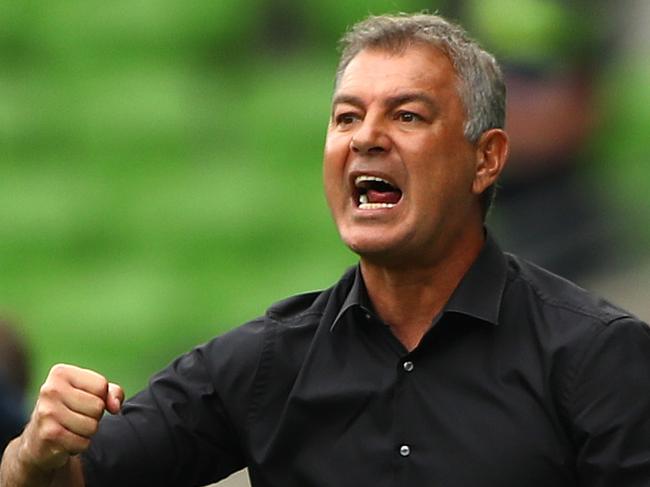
(491,154)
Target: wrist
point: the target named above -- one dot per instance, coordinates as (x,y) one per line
(28,464)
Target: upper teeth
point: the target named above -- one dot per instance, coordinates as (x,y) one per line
(360,179)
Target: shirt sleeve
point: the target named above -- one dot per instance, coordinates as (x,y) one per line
(610,407)
(186,427)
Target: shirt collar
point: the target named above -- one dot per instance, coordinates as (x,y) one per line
(480,290)
(478,294)
(356,297)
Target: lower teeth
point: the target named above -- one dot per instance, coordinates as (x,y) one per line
(374,206)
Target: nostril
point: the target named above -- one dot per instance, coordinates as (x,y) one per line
(355,146)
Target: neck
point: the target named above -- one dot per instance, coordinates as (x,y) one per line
(409,297)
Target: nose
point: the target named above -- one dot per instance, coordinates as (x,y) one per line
(370,138)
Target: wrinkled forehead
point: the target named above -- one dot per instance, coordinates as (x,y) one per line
(419,67)
(395,48)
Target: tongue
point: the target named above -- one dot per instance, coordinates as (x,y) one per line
(391,197)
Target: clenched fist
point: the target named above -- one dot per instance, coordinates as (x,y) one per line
(70,404)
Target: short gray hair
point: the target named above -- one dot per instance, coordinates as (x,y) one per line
(481,86)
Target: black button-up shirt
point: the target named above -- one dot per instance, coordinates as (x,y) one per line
(523,380)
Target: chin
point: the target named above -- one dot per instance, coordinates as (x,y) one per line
(373,247)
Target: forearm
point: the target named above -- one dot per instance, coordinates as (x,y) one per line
(16,472)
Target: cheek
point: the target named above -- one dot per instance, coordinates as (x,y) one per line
(334,158)
(336,147)
(439,177)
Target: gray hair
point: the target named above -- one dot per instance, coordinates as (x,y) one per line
(481,86)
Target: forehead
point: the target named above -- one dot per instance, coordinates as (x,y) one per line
(418,66)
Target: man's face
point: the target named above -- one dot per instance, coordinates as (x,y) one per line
(398,171)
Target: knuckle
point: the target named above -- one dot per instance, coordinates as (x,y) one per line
(59,370)
(52,432)
(45,389)
(48,389)
(44,410)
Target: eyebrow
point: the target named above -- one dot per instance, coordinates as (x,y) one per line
(390,102)
(342,98)
(395,101)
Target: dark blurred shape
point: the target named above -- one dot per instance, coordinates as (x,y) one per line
(549,207)
(283,27)
(14,379)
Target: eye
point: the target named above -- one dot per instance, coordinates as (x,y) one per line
(408,117)
(346,118)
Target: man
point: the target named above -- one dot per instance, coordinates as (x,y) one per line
(437,361)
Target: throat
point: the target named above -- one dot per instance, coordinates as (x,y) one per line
(410,336)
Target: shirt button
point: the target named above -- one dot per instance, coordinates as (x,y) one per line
(408,366)
(367,316)
(404,450)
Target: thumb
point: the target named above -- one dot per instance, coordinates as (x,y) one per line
(114,398)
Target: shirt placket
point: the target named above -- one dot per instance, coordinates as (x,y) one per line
(405,444)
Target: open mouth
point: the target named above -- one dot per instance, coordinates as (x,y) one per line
(373,193)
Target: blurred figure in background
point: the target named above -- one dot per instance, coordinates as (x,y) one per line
(14,378)
(550,210)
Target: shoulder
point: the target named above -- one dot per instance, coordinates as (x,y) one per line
(557,298)
(288,324)
(558,318)
(587,345)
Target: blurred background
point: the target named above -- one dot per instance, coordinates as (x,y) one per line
(160,162)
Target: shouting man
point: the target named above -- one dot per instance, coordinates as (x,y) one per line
(438,360)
